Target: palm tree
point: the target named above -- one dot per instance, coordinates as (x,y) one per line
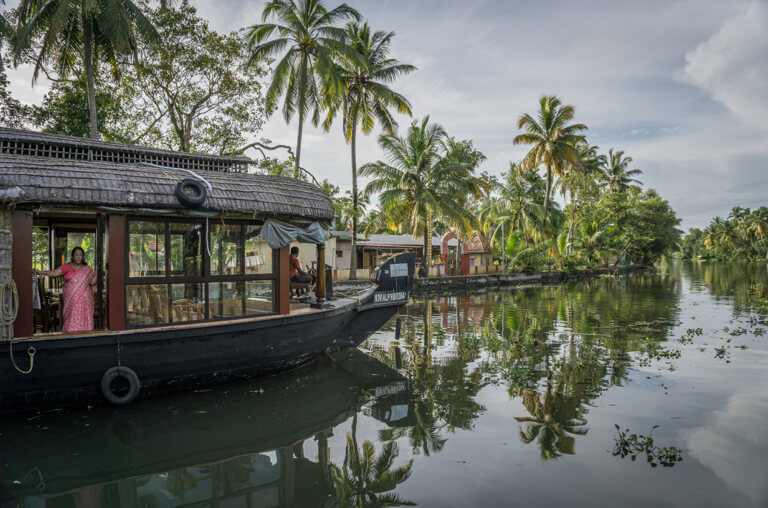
(76,31)
(578,179)
(615,172)
(553,138)
(516,207)
(365,73)
(422,181)
(306,74)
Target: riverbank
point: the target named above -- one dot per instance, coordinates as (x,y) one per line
(472,283)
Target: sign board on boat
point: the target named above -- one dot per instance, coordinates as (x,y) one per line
(390,296)
(398,270)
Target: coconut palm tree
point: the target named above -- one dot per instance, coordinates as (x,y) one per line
(578,179)
(422,180)
(77,32)
(365,73)
(306,73)
(616,173)
(553,139)
(516,207)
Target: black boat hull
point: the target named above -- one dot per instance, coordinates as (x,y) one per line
(68,371)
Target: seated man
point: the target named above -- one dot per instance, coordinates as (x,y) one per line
(297,274)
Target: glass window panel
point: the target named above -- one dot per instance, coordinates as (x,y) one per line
(40,248)
(147,304)
(258,254)
(186,249)
(259,296)
(226,299)
(225,249)
(147,249)
(187,302)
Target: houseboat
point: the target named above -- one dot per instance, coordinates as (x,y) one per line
(192,260)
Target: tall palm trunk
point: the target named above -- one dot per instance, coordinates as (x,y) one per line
(302,72)
(297,164)
(546,195)
(425,262)
(353,141)
(88,64)
(570,226)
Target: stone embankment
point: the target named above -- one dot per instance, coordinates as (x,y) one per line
(480,283)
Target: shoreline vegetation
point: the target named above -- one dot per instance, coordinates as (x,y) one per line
(742,236)
(161,77)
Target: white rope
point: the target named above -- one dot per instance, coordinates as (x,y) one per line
(9,310)
(210,187)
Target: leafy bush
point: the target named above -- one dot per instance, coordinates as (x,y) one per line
(531,259)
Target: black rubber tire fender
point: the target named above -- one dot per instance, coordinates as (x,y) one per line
(133,382)
(195,199)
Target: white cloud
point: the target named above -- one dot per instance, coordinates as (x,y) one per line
(732,65)
(734,447)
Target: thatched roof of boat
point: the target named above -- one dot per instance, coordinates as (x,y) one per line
(40,168)
(42,180)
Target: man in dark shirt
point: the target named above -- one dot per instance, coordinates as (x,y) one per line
(297,274)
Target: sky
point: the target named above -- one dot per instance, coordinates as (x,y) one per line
(679,85)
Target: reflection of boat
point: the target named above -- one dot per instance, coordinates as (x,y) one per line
(141,450)
(196,265)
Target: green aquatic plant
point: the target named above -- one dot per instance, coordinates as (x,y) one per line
(634,445)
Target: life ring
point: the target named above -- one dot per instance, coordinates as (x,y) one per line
(134,385)
(191,193)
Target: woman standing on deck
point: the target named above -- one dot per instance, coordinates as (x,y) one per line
(77,299)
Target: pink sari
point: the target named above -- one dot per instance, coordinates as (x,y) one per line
(77,309)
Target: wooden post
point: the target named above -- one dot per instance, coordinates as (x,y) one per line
(284,280)
(22,273)
(320,291)
(116,270)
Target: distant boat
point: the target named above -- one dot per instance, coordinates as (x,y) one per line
(192,257)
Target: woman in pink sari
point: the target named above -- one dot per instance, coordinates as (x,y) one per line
(77,299)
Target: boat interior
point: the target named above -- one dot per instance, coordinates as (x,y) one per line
(177,270)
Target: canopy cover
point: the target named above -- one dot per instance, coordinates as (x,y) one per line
(279,234)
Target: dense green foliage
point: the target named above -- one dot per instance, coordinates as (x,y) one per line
(742,236)
(65,111)
(74,36)
(192,100)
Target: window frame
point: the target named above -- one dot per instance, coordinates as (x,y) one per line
(206,278)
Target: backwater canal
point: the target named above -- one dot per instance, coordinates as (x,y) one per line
(508,398)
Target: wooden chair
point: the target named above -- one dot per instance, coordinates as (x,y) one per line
(299,289)
(50,305)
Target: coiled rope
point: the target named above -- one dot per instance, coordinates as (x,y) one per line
(9,309)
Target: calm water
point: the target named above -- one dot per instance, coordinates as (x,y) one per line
(503,399)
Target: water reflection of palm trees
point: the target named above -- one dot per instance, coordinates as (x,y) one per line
(557,348)
(554,419)
(442,391)
(367,480)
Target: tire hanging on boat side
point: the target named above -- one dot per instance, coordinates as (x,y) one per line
(134,385)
